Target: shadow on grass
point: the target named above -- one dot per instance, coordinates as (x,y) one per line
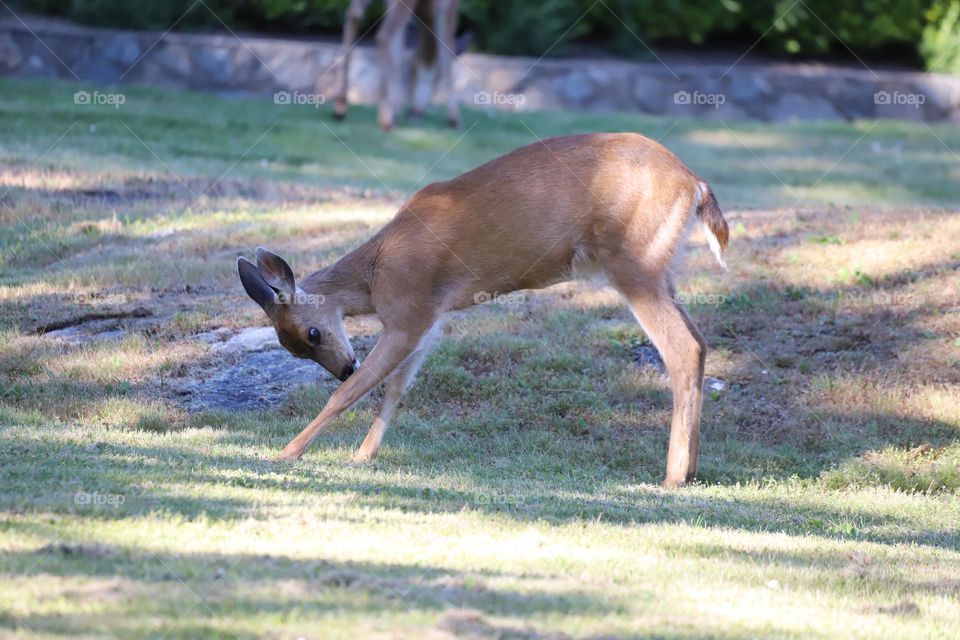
(209,589)
(199,484)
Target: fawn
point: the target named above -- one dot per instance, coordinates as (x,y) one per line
(521,221)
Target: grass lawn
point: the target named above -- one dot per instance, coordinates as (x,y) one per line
(516,494)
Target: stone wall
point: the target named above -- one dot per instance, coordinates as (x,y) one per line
(303,70)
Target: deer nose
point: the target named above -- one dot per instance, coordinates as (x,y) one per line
(348,370)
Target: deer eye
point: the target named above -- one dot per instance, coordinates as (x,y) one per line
(313,335)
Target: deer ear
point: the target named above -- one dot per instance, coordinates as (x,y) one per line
(255,286)
(275,271)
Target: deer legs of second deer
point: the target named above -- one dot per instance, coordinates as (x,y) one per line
(445,19)
(390,58)
(351,26)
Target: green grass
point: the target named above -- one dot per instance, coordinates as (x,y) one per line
(516,494)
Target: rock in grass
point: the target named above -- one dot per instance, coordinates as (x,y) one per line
(647,357)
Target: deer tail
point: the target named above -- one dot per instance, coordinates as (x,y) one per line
(714,224)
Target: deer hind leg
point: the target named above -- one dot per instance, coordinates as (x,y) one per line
(351,25)
(396,386)
(423,76)
(446,13)
(684,351)
(390,58)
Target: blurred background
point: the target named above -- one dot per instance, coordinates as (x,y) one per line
(912,34)
(728,60)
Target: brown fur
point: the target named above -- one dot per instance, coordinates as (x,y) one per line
(521,221)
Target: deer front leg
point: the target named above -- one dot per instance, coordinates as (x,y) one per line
(391,350)
(396,386)
(351,25)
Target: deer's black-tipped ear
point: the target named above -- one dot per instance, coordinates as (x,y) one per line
(275,271)
(255,286)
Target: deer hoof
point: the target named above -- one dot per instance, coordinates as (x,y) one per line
(673,483)
(339,109)
(361,457)
(287,456)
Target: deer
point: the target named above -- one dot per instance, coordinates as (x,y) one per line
(617,202)
(437,25)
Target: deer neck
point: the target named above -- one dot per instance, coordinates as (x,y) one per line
(346,283)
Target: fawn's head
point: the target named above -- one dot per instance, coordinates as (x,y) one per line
(308,325)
